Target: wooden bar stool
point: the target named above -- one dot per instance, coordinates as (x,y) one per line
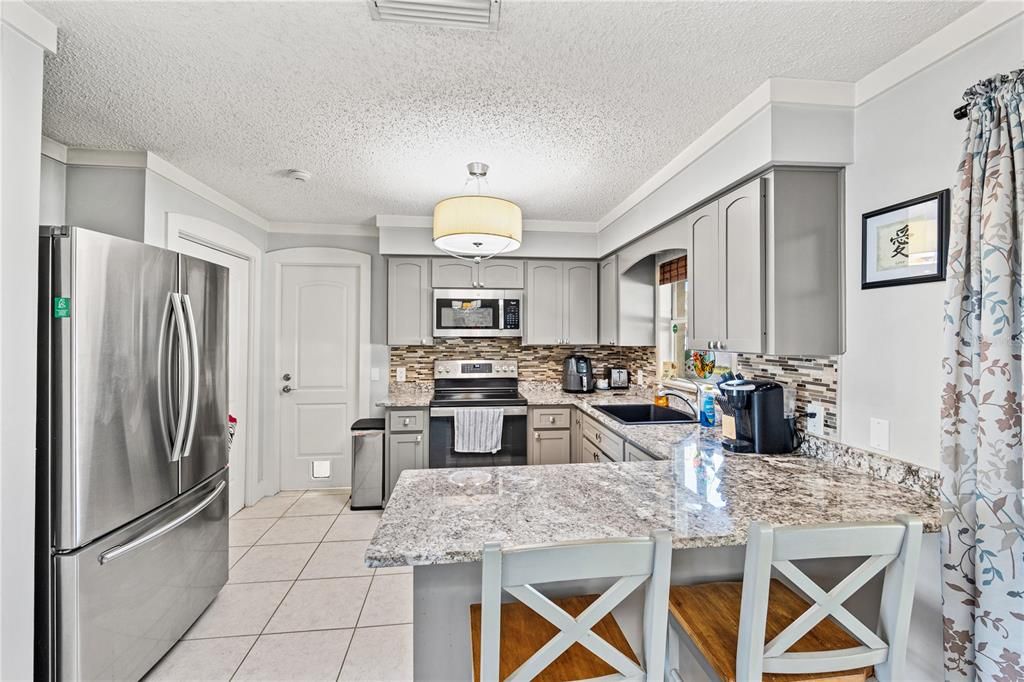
(761,629)
(571,638)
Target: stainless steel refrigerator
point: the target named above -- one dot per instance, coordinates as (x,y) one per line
(132,508)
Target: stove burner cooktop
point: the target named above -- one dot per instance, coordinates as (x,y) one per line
(470,398)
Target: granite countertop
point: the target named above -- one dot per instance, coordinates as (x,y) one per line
(655,439)
(706,496)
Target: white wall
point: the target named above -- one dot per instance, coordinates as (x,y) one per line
(106,199)
(21,92)
(906,144)
(52,192)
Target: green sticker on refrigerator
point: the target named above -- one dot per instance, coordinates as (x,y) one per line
(61,307)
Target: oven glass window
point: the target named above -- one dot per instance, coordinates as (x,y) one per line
(454,313)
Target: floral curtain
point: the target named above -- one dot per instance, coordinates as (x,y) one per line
(983,542)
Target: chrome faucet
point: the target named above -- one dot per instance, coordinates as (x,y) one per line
(668,391)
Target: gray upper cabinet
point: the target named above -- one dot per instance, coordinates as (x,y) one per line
(726,310)
(579,291)
(704,271)
(501,274)
(766,265)
(561,303)
(544,302)
(626,303)
(410,322)
(608,320)
(453,273)
(741,234)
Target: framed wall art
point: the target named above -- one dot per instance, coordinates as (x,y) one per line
(905,243)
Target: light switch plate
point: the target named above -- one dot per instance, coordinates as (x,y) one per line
(816,424)
(375,374)
(399,373)
(879,438)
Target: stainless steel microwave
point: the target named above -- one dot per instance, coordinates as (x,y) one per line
(478,312)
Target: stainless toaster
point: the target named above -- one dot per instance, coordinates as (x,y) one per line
(618,377)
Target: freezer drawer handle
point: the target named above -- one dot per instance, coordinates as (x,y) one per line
(185,388)
(120,550)
(193,343)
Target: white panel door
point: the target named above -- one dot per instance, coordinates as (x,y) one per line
(318,373)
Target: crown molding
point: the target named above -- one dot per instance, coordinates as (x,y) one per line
(104,157)
(324,229)
(529,225)
(54,150)
(936,47)
(791,91)
(168,170)
(30,23)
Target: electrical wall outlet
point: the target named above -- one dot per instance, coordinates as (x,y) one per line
(816,419)
(879,437)
(399,374)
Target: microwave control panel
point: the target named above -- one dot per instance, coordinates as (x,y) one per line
(511,314)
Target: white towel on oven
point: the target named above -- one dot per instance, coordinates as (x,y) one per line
(478,429)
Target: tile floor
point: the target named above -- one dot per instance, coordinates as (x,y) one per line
(299,603)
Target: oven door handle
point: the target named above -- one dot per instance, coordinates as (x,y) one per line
(512,411)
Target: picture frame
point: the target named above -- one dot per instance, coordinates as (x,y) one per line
(905,243)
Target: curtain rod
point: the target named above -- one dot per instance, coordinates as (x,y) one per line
(961,112)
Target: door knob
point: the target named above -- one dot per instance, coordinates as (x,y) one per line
(286,389)
(286,377)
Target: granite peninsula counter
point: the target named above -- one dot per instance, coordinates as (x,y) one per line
(437,520)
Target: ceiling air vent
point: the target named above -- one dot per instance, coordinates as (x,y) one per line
(479,14)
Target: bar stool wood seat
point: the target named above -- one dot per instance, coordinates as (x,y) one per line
(524,632)
(760,629)
(563,639)
(709,614)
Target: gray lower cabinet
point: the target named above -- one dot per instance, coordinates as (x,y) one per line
(410,304)
(551,447)
(550,439)
(406,430)
(497,273)
(405,451)
(635,454)
(561,303)
(597,437)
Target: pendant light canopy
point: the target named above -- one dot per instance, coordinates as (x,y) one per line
(475,226)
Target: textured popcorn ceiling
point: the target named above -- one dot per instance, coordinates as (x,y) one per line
(574,104)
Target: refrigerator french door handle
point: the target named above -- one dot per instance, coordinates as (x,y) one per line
(121,550)
(193,342)
(184,388)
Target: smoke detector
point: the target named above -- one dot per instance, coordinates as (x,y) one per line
(299,175)
(478,14)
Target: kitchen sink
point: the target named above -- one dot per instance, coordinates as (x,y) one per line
(647,413)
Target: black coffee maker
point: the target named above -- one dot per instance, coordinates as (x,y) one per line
(761,423)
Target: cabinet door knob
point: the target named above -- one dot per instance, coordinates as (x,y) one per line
(551,420)
(536,435)
(419,439)
(405,421)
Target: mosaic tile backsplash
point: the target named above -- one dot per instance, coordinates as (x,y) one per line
(816,380)
(536,363)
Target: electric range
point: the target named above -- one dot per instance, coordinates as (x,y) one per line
(476,383)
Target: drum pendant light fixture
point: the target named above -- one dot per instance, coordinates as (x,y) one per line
(477,227)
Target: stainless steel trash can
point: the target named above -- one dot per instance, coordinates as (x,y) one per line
(368,464)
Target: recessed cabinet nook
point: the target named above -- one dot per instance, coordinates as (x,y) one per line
(765,276)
